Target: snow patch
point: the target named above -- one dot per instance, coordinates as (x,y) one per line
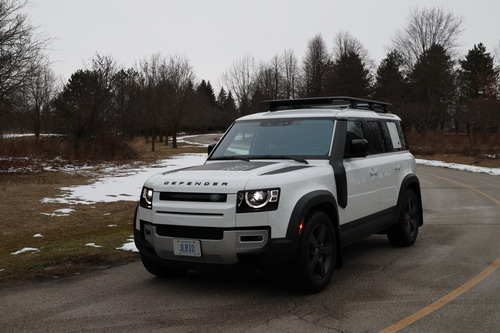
(462,167)
(22,135)
(129,246)
(112,225)
(1,269)
(92,245)
(121,184)
(37,236)
(185,139)
(60,212)
(26,249)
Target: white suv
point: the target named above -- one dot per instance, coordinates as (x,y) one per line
(287,188)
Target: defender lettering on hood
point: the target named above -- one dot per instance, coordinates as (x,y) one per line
(176,183)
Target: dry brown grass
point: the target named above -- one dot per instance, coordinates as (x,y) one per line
(62,248)
(483,150)
(162,150)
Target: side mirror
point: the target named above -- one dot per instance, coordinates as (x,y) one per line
(358,148)
(211,147)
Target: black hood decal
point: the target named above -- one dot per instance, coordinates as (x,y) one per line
(286,169)
(230,166)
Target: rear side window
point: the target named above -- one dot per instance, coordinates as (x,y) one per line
(394,136)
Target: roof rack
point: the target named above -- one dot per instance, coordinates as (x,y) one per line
(335,101)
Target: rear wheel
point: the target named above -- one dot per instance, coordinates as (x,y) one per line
(160,270)
(404,232)
(317,254)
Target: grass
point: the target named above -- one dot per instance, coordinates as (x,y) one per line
(62,247)
(482,150)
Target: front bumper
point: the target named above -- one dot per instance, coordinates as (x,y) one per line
(219,246)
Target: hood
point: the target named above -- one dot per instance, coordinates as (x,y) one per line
(219,177)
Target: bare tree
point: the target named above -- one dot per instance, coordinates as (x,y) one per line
(290,71)
(240,79)
(34,100)
(496,51)
(345,43)
(180,75)
(427,27)
(152,73)
(20,51)
(269,79)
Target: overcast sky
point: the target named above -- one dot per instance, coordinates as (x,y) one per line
(214,33)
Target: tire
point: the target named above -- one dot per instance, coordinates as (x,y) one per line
(317,255)
(160,270)
(404,233)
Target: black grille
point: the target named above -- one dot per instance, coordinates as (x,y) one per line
(189,232)
(194,197)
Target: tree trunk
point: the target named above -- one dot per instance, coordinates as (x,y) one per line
(174,140)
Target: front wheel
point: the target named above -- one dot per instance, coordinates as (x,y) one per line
(317,254)
(404,232)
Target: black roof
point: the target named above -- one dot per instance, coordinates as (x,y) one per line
(335,101)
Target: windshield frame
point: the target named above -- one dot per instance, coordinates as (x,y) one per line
(299,158)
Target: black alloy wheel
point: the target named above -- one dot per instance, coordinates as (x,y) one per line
(317,254)
(405,231)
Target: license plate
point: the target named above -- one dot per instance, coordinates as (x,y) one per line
(187,247)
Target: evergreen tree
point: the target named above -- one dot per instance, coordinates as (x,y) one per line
(230,110)
(221,98)
(477,74)
(391,85)
(432,83)
(478,89)
(84,107)
(315,68)
(349,76)
(125,95)
(203,111)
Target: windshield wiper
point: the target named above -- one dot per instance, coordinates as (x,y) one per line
(280,157)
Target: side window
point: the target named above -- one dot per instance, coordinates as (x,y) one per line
(394,136)
(354,131)
(375,137)
(402,138)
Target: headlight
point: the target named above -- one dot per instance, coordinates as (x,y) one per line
(147,197)
(257,200)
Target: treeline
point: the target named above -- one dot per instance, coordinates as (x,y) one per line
(429,85)
(158,98)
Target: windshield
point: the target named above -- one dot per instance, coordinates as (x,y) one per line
(277,138)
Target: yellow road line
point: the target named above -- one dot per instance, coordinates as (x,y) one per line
(467,186)
(444,300)
(455,293)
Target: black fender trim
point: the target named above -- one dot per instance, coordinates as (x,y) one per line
(411,181)
(320,199)
(337,162)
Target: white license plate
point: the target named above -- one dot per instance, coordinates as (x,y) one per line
(187,247)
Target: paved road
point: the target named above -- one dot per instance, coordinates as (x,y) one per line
(378,286)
